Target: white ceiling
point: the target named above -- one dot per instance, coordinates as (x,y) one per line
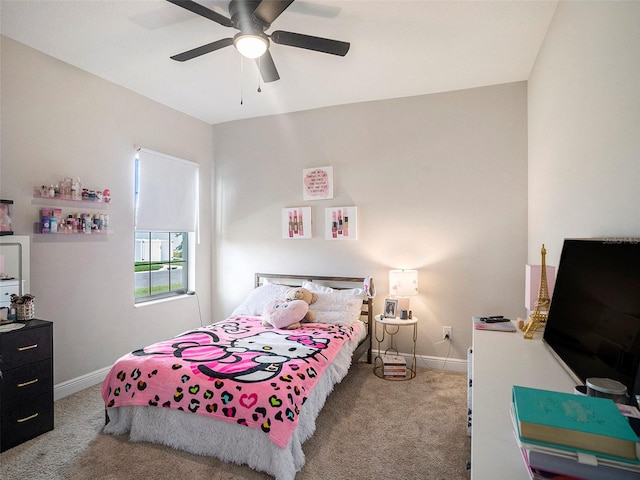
(398,49)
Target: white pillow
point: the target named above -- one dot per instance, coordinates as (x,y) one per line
(317,288)
(259,297)
(338,307)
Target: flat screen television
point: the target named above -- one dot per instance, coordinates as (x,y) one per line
(593,324)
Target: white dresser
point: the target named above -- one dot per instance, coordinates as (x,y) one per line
(15,262)
(8,288)
(501,360)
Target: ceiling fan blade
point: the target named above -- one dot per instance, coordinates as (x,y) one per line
(208,48)
(324,45)
(267,68)
(307,8)
(203,11)
(268,10)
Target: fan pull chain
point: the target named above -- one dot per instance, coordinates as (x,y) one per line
(241,80)
(259,75)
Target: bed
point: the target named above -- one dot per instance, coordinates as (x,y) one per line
(237,390)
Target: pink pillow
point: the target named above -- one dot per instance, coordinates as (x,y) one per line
(281,314)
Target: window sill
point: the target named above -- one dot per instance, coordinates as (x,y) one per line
(161,300)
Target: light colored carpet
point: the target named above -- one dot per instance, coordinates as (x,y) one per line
(369,428)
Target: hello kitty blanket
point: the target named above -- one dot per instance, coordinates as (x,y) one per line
(236,370)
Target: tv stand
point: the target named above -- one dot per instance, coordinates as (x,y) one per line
(501,360)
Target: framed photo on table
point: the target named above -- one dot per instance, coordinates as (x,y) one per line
(390,308)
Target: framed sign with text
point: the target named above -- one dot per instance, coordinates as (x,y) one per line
(317,183)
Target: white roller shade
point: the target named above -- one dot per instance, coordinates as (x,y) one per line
(167,196)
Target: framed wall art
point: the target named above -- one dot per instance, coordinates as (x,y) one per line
(317,183)
(341,223)
(296,223)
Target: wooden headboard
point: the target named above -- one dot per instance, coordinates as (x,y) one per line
(338,283)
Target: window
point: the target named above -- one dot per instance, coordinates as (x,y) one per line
(161,265)
(166,215)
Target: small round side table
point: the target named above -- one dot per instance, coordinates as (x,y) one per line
(391,326)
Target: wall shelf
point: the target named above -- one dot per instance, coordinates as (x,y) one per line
(71,237)
(85,204)
(63,202)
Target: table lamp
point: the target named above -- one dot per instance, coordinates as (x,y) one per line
(403,284)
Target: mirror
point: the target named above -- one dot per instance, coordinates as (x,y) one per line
(15,254)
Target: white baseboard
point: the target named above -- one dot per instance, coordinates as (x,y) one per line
(436,363)
(440,363)
(77,384)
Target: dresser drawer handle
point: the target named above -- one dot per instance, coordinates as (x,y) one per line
(29,347)
(27,383)
(26,419)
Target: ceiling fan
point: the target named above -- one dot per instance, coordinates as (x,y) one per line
(252,18)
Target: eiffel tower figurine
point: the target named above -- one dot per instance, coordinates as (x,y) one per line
(538,318)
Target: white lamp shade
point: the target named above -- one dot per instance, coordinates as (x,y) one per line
(403,283)
(251,46)
(533,274)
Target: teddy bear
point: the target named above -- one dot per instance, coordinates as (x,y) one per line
(300,293)
(284,315)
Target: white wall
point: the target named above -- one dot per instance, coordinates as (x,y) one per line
(60,121)
(440,182)
(584,127)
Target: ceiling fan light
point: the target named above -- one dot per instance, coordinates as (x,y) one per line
(251,46)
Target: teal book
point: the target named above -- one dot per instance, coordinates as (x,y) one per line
(574,421)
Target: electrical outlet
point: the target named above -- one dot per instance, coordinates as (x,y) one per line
(446,333)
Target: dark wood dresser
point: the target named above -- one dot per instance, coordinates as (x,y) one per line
(26,386)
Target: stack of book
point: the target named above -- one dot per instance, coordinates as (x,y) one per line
(567,436)
(394,366)
(495,324)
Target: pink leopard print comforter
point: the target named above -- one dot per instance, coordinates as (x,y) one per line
(236,370)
